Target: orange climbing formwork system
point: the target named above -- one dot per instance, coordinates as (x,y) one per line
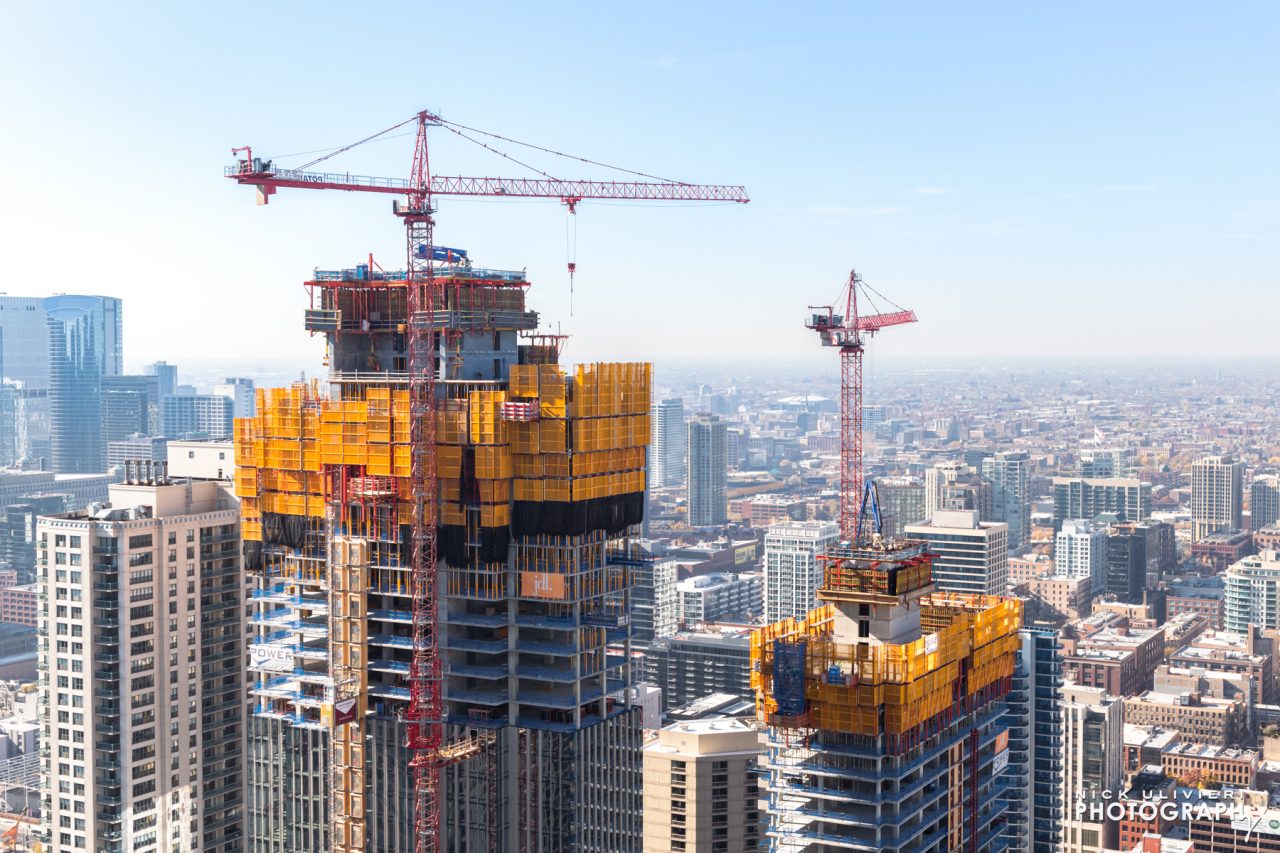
(892,689)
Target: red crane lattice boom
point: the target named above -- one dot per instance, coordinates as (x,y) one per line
(425,715)
(845,331)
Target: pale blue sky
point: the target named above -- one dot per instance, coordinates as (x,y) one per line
(1032,178)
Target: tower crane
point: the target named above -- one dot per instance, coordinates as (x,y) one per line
(848,332)
(416,209)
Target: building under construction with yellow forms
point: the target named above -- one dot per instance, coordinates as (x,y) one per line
(541,473)
(884,710)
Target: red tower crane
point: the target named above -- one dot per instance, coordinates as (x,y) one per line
(426,703)
(846,331)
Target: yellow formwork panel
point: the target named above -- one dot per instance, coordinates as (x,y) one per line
(528,490)
(493,462)
(553,436)
(495,515)
(522,380)
(448,461)
(494,491)
(485,421)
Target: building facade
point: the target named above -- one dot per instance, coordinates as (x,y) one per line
(1088,497)
(1080,551)
(196,415)
(1092,765)
(1010,476)
(694,664)
(142,671)
(1264,501)
(792,571)
(670,441)
(1252,593)
(84,337)
(1034,795)
(708,471)
(969,555)
(1217,496)
(700,788)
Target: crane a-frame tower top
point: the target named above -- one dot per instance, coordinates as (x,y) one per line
(415,207)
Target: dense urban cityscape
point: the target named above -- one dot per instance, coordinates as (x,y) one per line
(902,478)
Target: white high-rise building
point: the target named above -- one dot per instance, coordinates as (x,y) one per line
(666,453)
(936,478)
(708,471)
(243,398)
(792,572)
(1253,593)
(1080,551)
(142,649)
(1264,501)
(969,555)
(1217,495)
(1092,765)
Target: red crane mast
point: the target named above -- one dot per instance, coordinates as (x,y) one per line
(425,715)
(845,332)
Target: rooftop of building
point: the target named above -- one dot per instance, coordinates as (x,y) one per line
(716,580)
(713,705)
(1219,646)
(1183,698)
(1192,749)
(1230,538)
(1149,737)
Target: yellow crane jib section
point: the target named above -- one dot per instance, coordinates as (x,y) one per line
(802,677)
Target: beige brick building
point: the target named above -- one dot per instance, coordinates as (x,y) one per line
(700,793)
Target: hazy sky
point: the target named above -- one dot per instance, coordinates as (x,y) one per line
(1032,178)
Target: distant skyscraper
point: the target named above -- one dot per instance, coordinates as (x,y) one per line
(124,413)
(694,664)
(1134,555)
(792,573)
(1103,462)
(24,341)
(1009,474)
(901,503)
(242,396)
(1080,551)
(208,415)
(666,453)
(708,471)
(84,345)
(1034,795)
(1092,765)
(1264,501)
(1217,495)
(968,555)
(167,374)
(1089,497)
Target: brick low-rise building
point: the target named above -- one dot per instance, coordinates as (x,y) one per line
(1204,719)
(1236,768)
(1120,660)
(19,605)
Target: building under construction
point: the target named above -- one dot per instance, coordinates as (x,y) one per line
(884,710)
(541,474)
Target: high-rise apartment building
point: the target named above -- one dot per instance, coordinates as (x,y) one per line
(1080,551)
(1136,558)
(1092,766)
(692,664)
(708,471)
(1099,462)
(902,502)
(1009,474)
(720,595)
(875,741)
(1252,593)
(700,787)
(1217,496)
(792,572)
(84,339)
(24,341)
(670,441)
(142,679)
(1264,501)
(969,555)
(541,474)
(1034,795)
(1088,498)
